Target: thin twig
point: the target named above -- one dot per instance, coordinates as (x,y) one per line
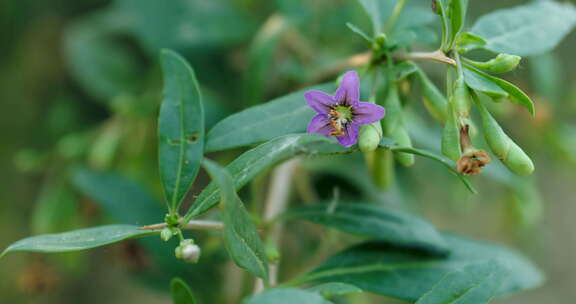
(276,203)
(191,225)
(437,56)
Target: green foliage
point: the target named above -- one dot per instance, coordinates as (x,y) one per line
(514,93)
(515,30)
(378,12)
(391,270)
(180,129)
(244,168)
(242,239)
(181,293)
(77,240)
(473,284)
(281,116)
(374,222)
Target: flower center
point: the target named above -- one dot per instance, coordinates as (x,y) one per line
(339,117)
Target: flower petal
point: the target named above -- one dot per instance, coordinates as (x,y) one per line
(351,136)
(349,90)
(320,124)
(367,113)
(319,101)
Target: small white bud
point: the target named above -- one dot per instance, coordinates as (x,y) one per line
(188,251)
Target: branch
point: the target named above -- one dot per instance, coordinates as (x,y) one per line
(437,56)
(191,225)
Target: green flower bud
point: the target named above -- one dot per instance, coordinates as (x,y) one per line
(393,126)
(381,165)
(166,233)
(188,251)
(435,103)
(502,146)
(370,137)
(451,137)
(400,134)
(460,99)
(501,64)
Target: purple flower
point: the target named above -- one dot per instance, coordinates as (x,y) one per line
(342,114)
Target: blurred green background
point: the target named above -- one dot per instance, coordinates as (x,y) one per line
(80,86)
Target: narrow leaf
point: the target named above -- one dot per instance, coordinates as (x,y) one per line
(181,293)
(378,11)
(248,165)
(515,94)
(526,30)
(457,17)
(180,128)
(285,115)
(77,240)
(286,296)
(374,222)
(240,235)
(356,30)
(473,284)
(409,273)
(483,84)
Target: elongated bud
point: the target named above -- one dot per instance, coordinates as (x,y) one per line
(381,166)
(503,146)
(501,64)
(451,137)
(188,251)
(393,125)
(460,100)
(435,103)
(370,137)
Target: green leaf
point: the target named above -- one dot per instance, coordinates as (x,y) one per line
(374,222)
(483,84)
(473,284)
(286,296)
(378,11)
(77,240)
(526,30)
(515,94)
(126,201)
(356,30)
(181,293)
(285,115)
(409,273)
(333,289)
(180,128)
(248,165)
(468,41)
(240,235)
(457,17)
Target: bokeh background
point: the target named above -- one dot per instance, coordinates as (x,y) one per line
(80,87)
